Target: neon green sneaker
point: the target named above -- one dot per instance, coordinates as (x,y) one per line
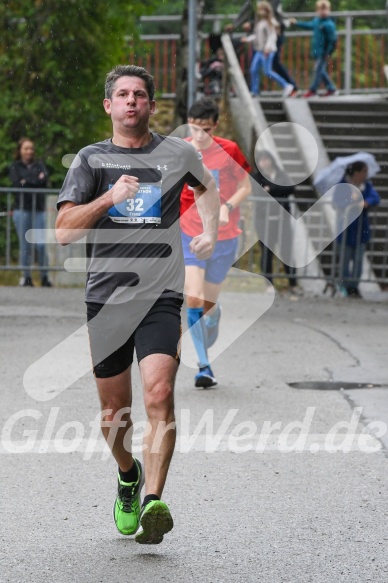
(126,510)
(155,521)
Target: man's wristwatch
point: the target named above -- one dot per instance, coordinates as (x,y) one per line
(229,206)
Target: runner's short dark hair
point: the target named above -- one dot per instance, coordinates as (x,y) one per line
(129,71)
(204,108)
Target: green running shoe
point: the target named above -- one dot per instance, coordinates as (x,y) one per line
(155,521)
(126,510)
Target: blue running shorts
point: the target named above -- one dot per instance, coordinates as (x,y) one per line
(217,267)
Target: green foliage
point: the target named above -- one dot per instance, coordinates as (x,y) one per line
(54,55)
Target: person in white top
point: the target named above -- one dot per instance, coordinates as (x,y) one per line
(264,40)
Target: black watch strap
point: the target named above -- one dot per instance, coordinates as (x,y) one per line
(229,206)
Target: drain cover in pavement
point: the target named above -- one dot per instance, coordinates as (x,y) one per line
(331,386)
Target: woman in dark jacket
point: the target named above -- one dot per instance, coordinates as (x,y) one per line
(29,208)
(272,179)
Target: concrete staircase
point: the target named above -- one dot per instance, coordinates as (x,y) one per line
(356,124)
(317,228)
(345,126)
(286,147)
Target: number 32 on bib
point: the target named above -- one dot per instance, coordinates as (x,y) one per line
(146,207)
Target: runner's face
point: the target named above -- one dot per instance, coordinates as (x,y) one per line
(202,134)
(130,106)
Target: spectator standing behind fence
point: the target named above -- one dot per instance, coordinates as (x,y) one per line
(246,19)
(323,44)
(272,179)
(352,242)
(264,40)
(29,208)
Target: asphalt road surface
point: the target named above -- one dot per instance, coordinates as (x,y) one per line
(269,483)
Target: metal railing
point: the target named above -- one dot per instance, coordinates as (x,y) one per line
(10,243)
(357,65)
(328,268)
(286,235)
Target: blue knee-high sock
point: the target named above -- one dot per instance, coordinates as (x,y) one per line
(198,334)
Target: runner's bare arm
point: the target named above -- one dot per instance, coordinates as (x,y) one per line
(74,220)
(242,192)
(207,200)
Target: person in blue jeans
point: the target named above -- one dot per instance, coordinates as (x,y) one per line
(264,41)
(277,64)
(352,242)
(246,19)
(323,44)
(29,208)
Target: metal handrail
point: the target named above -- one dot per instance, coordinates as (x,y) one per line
(21,190)
(331,270)
(213,17)
(346,62)
(290,34)
(378,217)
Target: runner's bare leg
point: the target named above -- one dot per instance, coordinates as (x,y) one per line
(199,292)
(158,372)
(116,393)
(212,291)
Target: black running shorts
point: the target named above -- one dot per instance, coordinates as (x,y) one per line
(115,330)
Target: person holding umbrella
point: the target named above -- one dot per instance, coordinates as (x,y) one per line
(354,239)
(335,171)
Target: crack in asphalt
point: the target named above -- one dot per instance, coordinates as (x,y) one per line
(363,418)
(334,340)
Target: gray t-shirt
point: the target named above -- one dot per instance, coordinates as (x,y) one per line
(134,250)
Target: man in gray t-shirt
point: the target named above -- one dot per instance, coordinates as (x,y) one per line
(123,194)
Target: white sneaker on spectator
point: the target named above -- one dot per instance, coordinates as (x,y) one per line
(288,90)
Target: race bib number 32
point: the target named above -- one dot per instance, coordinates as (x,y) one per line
(146,207)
